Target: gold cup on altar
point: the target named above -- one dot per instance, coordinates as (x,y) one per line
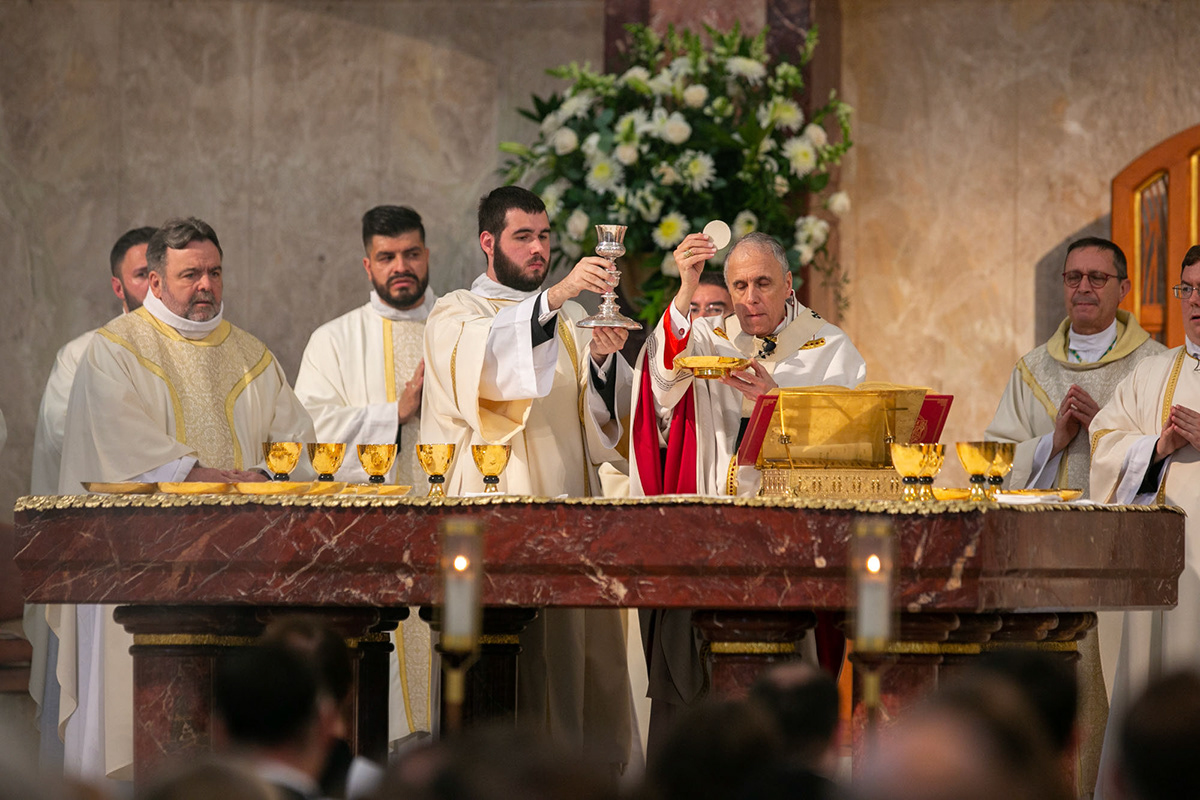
(376,460)
(908,459)
(491,459)
(977,458)
(931,465)
(435,460)
(326,458)
(282,458)
(1002,464)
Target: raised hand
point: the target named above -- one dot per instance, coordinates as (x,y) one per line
(590,274)
(690,255)
(606,341)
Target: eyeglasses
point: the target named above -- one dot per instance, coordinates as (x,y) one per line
(1096,279)
(710,310)
(1184,290)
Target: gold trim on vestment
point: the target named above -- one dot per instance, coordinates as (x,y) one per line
(1097,436)
(568,340)
(389,366)
(751,648)
(454,364)
(191,640)
(1168,401)
(231,401)
(155,369)
(731,476)
(217,337)
(1036,388)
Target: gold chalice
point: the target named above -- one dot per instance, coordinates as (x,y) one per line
(376,460)
(908,460)
(977,458)
(931,465)
(1002,464)
(491,460)
(326,458)
(282,458)
(435,460)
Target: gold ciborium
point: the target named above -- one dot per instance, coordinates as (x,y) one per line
(977,458)
(908,460)
(376,460)
(491,460)
(326,458)
(931,465)
(282,458)
(1002,464)
(435,460)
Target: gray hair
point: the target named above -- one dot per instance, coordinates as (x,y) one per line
(177,234)
(762,242)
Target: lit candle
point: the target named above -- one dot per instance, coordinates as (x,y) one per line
(872,568)
(462,562)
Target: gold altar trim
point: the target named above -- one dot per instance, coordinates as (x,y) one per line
(752,648)
(499,638)
(1049,647)
(832,483)
(892,507)
(382,637)
(933,649)
(191,640)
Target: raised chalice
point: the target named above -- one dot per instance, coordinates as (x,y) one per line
(931,465)
(376,460)
(610,244)
(1002,464)
(326,458)
(282,458)
(435,460)
(908,460)
(491,460)
(977,458)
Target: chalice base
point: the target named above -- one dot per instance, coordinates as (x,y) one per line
(491,484)
(325,476)
(282,476)
(978,489)
(375,479)
(435,486)
(609,317)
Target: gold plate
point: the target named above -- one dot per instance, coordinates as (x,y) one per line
(381,489)
(951,493)
(273,487)
(124,487)
(712,366)
(326,487)
(1066,495)
(194,487)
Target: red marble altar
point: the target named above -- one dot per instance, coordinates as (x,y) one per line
(198,573)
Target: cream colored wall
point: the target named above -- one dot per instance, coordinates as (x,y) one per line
(987,134)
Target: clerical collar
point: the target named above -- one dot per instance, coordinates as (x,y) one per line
(414,314)
(188,329)
(1087,348)
(486,287)
(1193,349)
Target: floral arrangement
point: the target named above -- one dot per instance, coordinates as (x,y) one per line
(687,134)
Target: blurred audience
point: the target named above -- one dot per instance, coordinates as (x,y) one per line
(1159,757)
(206,778)
(803,701)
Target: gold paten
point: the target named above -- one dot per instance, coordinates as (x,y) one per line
(194,487)
(274,487)
(710,367)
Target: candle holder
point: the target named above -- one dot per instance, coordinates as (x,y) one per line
(610,244)
(872,567)
(461,617)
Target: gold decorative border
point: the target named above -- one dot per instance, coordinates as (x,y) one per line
(1054,647)
(752,648)
(1036,388)
(191,640)
(933,649)
(389,367)
(499,638)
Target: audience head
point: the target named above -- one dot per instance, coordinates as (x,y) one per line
(1049,684)
(803,701)
(711,298)
(205,778)
(1158,741)
(1092,306)
(396,260)
(759,282)
(130,267)
(514,233)
(185,268)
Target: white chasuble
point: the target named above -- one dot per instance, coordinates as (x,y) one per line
(143,397)
(353,372)
(1124,433)
(573,680)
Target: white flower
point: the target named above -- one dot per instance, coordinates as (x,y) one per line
(552,197)
(839,203)
(648,205)
(552,122)
(680,67)
(785,114)
(745,222)
(801,155)
(816,134)
(565,141)
(604,175)
(670,230)
(676,129)
(781,186)
(697,170)
(571,250)
(631,125)
(661,83)
(696,95)
(626,153)
(669,267)
(811,231)
(577,224)
(576,105)
(806,254)
(634,74)
(591,145)
(666,174)
(748,68)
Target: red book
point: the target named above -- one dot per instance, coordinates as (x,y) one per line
(756,430)
(932,419)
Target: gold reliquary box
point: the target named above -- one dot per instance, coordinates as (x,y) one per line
(829,442)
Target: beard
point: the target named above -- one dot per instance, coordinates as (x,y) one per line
(509,273)
(131,302)
(401,296)
(205,313)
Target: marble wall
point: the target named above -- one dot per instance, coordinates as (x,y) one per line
(987,132)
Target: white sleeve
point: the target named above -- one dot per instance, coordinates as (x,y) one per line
(1133,472)
(172,471)
(513,369)
(1044,470)
(680,322)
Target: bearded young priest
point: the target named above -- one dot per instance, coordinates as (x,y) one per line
(505,363)
(169,392)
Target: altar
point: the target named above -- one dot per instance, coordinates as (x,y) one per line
(195,574)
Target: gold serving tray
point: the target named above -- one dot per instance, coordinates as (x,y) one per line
(274,487)
(194,487)
(1066,495)
(950,493)
(710,367)
(327,487)
(381,489)
(124,487)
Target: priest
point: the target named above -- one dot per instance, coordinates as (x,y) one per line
(170,392)
(1146,450)
(361,378)
(507,364)
(686,432)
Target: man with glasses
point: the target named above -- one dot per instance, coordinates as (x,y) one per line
(711,298)
(1146,444)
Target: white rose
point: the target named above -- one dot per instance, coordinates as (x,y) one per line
(816,134)
(806,254)
(695,95)
(565,141)
(839,203)
(745,222)
(676,129)
(591,145)
(626,153)
(781,185)
(669,267)
(577,224)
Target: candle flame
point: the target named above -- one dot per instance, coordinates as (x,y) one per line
(873,563)
(461,563)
